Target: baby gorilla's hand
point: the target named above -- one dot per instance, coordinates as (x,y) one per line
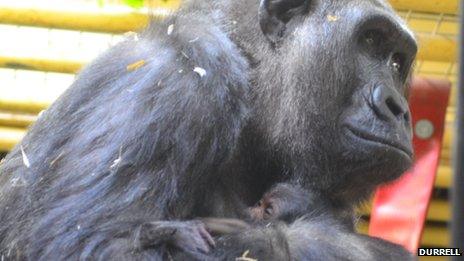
(190,236)
(224,226)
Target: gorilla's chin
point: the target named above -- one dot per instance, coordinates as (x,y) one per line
(403,148)
(384,155)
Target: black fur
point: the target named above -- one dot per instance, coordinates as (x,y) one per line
(311,238)
(124,147)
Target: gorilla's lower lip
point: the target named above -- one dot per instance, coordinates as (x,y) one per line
(370,137)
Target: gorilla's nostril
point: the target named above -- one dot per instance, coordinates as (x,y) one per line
(407,117)
(394,107)
(388,104)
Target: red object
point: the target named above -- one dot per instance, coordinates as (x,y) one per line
(400,209)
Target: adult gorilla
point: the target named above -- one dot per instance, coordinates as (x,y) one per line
(202,113)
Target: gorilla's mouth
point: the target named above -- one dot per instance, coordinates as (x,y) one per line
(380,140)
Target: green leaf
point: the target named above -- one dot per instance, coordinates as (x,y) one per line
(134,3)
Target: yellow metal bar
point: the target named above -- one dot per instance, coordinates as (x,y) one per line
(99,21)
(16,120)
(104,20)
(433,258)
(443,180)
(432,236)
(437,48)
(438,211)
(9,137)
(435,236)
(168,4)
(444,175)
(448,137)
(445,156)
(22,106)
(40,64)
(28,106)
(428,6)
(450,114)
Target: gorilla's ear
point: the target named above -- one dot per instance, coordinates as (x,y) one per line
(274,15)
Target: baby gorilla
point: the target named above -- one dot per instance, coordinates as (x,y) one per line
(195,238)
(285,212)
(285,202)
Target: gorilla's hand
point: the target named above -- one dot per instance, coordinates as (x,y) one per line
(223,226)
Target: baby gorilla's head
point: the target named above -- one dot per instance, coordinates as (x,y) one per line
(284,202)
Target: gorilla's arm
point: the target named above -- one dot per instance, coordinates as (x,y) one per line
(134,140)
(326,240)
(307,239)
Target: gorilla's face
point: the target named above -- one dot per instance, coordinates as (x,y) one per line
(344,99)
(374,125)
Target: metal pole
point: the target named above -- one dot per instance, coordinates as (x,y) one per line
(457,223)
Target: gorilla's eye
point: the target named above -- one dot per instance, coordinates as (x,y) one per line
(269,211)
(396,62)
(373,37)
(374,43)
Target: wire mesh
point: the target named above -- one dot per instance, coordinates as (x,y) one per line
(442,25)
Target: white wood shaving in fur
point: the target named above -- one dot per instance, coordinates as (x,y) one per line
(200,71)
(170,29)
(25,159)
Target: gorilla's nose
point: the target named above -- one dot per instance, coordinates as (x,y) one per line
(389,104)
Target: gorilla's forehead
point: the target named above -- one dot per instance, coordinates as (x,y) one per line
(369,8)
(386,5)
(402,23)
